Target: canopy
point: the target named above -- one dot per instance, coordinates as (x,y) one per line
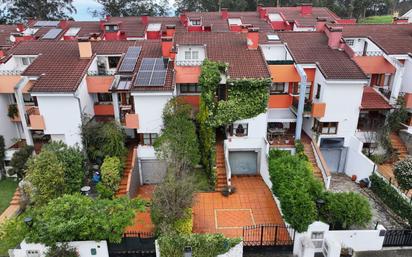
(374,65)
(281,115)
(284,73)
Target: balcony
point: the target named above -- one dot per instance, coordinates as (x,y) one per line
(307,108)
(101,109)
(281,137)
(35,120)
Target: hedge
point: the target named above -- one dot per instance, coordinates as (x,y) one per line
(185,224)
(391,198)
(111,172)
(203,245)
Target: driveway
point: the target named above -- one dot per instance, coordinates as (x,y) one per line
(251,204)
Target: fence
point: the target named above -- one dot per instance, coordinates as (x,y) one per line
(133,181)
(134,244)
(269,235)
(398,238)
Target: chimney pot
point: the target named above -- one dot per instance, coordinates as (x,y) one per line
(253,38)
(263,13)
(224,13)
(85,48)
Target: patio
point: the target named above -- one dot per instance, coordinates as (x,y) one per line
(251,204)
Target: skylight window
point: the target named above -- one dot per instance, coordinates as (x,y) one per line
(235,21)
(275,17)
(72,32)
(52,33)
(273,37)
(154,27)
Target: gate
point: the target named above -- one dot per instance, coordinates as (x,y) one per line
(398,238)
(134,244)
(268,236)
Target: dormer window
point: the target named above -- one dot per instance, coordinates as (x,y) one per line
(191,54)
(195,22)
(240,130)
(25,61)
(111,27)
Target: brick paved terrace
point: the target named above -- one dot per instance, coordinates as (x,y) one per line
(142,220)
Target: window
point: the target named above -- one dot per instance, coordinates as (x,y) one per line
(240,130)
(296,89)
(111,28)
(27,98)
(317,239)
(325,127)
(277,88)
(27,60)
(191,55)
(113,61)
(149,138)
(350,42)
(318,91)
(189,88)
(195,22)
(104,97)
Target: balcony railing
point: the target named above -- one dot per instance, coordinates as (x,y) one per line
(189,63)
(369,53)
(307,108)
(281,138)
(101,73)
(10,72)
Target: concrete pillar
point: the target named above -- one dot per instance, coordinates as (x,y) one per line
(397,83)
(20,106)
(302,93)
(116,107)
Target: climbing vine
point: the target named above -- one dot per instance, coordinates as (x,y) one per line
(246,98)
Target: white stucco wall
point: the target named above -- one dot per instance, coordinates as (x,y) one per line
(62,116)
(236,251)
(149,108)
(257,126)
(86,99)
(407,77)
(180,56)
(8,129)
(356,162)
(276,52)
(359,43)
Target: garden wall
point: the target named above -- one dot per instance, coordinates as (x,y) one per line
(356,162)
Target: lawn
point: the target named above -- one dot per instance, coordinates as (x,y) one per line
(377,19)
(7,189)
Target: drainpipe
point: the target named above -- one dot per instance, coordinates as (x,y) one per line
(302,93)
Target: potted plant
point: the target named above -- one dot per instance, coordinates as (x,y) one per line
(346,252)
(228,190)
(13,112)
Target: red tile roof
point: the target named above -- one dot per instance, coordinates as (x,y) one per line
(312,48)
(293,14)
(5,31)
(86,27)
(373,100)
(230,48)
(392,38)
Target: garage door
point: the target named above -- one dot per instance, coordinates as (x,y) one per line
(153,171)
(243,162)
(332,157)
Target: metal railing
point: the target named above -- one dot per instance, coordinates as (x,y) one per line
(189,63)
(369,53)
(227,165)
(307,108)
(101,73)
(320,161)
(10,72)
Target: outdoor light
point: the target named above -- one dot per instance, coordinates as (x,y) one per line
(187,251)
(28,221)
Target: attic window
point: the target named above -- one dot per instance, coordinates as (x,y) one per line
(154,27)
(111,28)
(195,22)
(350,42)
(273,37)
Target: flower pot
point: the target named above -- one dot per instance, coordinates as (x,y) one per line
(354,177)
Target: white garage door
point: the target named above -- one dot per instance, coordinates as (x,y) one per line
(243,162)
(153,171)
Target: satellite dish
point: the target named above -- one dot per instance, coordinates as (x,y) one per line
(12,38)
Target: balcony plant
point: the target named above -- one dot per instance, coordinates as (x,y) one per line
(13,112)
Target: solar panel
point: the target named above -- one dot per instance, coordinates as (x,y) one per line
(130,59)
(52,33)
(46,24)
(152,72)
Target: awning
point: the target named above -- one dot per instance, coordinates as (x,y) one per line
(372,100)
(281,115)
(374,65)
(8,83)
(284,73)
(187,74)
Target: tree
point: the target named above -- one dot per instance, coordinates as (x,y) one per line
(78,218)
(178,143)
(111,172)
(344,210)
(2,156)
(62,250)
(18,162)
(46,175)
(403,173)
(132,8)
(21,10)
(73,162)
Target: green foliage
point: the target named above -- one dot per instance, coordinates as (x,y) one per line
(398,116)
(12,111)
(344,210)
(46,175)
(2,153)
(184,225)
(300,150)
(391,198)
(102,139)
(403,173)
(78,218)
(171,201)
(297,189)
(131,8)
(62,250)
(178,143)
(378,158)
(18,162)
(377,19)
(73,162)
(7,188)
(203,245)
(111,172)
(12,232)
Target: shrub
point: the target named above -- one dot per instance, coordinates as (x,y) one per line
(111,173)
(184,225)
(12,233)
(391,198)
(62,250)
(203,245)
(344,210)
(403,173)
(18,162)
(73,162)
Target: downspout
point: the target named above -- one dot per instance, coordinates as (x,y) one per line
(301,105)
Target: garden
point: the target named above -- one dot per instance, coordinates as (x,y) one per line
(55,205)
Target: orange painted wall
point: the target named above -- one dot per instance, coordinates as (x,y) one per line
(193,100)
(103,110)
(280,101)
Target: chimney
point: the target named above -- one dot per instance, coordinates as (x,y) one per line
(144,18)
(2,54)
(108,17)
(306,8)
(167,45)
(170,30)
(335,35)
(101,24)
(183,18)
(263,13)
(20,27)
(253,38)
(259,7)
(320,23)
(63,24)
(224,13)
(85,48)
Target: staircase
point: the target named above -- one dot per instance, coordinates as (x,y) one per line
(399,146)
(122,191)
(311,156)
(13,208)
(15,200)
(221,180)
